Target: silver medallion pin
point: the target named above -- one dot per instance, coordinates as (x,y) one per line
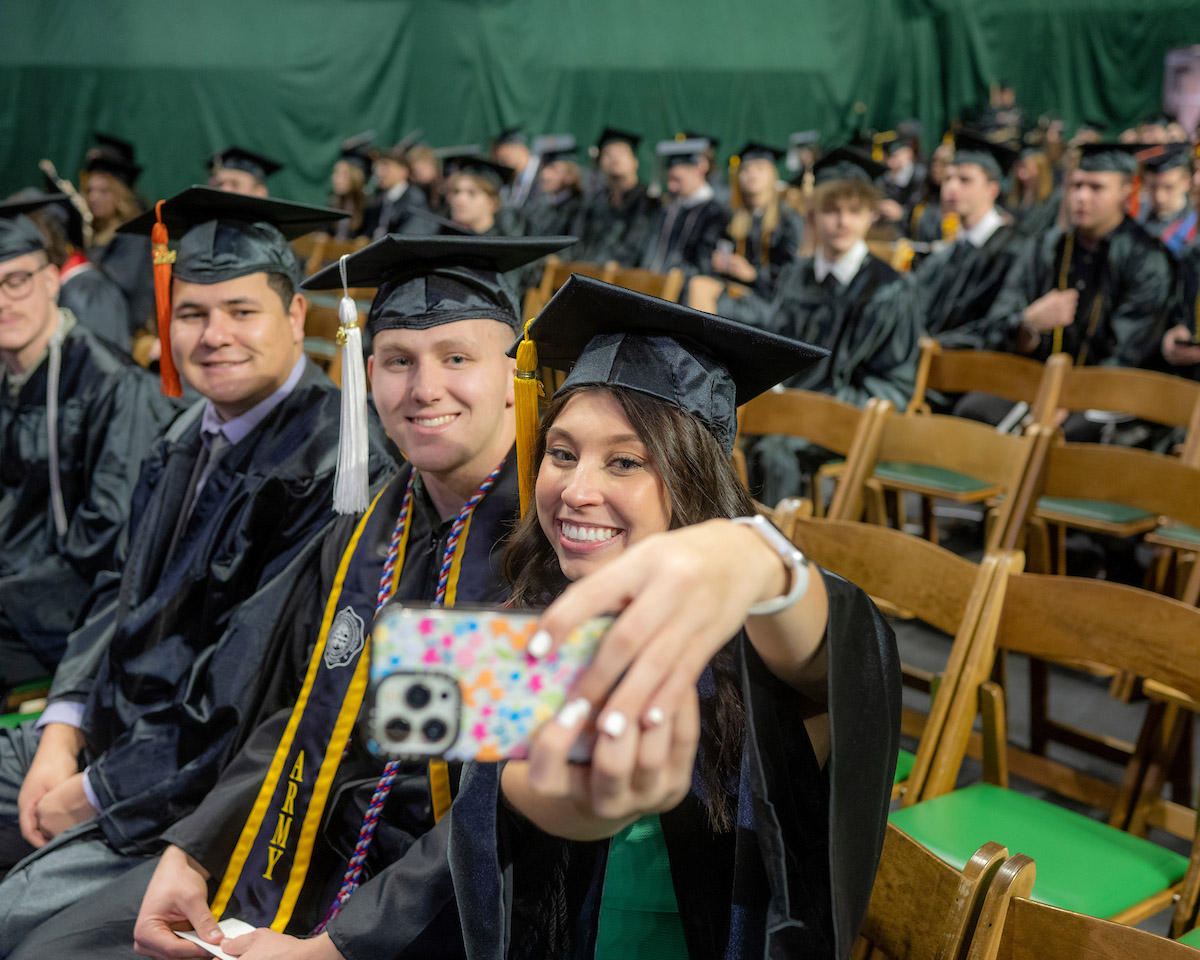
(347,635)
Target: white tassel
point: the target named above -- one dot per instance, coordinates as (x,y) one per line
(351,485)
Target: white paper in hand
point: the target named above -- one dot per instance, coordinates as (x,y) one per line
(231,927)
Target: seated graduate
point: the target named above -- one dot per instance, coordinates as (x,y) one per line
(764,232)
(925,222)
(747,704)
(903,178)
(76,418)
(614,219)
(1101,290)
(560,198)
(473,192)
(348,182)
(684,232)
(1169,214)
(391,208)
(842,299)
(167,673)
(425,171)
(109,175)
(1034,197)
(83,288)
(238,170)
(510,149)
(440,324)
(960,282)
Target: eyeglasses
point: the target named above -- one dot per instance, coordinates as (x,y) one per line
(19,284)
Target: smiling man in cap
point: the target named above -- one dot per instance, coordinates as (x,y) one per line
(168,673)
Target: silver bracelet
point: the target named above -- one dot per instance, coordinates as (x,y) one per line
(795,561)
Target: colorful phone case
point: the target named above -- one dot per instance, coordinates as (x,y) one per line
(504,694)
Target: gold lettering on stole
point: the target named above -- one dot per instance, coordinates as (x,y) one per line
(283,826)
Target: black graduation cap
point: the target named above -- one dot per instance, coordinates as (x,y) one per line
(703,364)
(356,150)
(889,141)
(995,158)
(847,163)
(614,135)
(496,173)
(1109,157)
(425,281)
(18,234)
(399,150)
(754,150)
(239,158)
(221,236)
(113,156)
(513,134)
(674,152)
(554,147)
(1169,157)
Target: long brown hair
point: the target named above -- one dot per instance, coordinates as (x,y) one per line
(702,485)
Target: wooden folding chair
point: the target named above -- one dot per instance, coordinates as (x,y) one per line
(922,908)
(1014,926)
(1090,501)
(1006,375)
(1084,865)
(950,458)
(849,431)
(940,588)
(310,249)
(665,286)
(554,275)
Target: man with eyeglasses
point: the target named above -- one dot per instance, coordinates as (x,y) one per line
(76,418)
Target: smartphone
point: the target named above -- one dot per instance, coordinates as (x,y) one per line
(457,683)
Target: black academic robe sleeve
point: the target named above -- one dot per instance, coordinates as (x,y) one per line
(784,884)
(109,416)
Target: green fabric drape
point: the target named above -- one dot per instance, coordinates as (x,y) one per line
(293,77)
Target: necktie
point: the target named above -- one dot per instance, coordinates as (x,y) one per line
(209,456)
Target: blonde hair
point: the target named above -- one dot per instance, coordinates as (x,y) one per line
(126,204)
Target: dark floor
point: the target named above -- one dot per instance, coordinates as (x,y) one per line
(1074,697)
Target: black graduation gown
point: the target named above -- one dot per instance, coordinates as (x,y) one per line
(1188,304)
(795,877)
(397,217)
(109,412)
(171,659)
(778,251)
(405,879)
(871,328)
(97,303)
(553,216)
(959,284)
(685,237)
(610,231)
(125,260)
(1132,272)
(908,196)
(1034,220)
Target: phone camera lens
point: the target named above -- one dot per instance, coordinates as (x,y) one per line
(418,696)
(397,730)
(433,730)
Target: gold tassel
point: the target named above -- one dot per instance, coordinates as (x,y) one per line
(528,389)
(951,224)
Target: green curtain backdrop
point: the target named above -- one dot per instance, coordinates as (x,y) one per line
(293,77)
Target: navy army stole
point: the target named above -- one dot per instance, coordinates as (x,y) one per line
(270,862)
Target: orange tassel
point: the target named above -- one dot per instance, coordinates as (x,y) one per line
(163,258)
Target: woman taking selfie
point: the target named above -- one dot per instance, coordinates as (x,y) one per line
(712,819)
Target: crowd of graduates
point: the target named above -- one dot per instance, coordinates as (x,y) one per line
(172,558)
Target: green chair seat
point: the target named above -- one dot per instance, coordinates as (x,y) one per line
(9,721)
(904,764)
(32,686)
(1178,531)
(1100,510)
(935,478)
(1191,938)
(1082,864)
